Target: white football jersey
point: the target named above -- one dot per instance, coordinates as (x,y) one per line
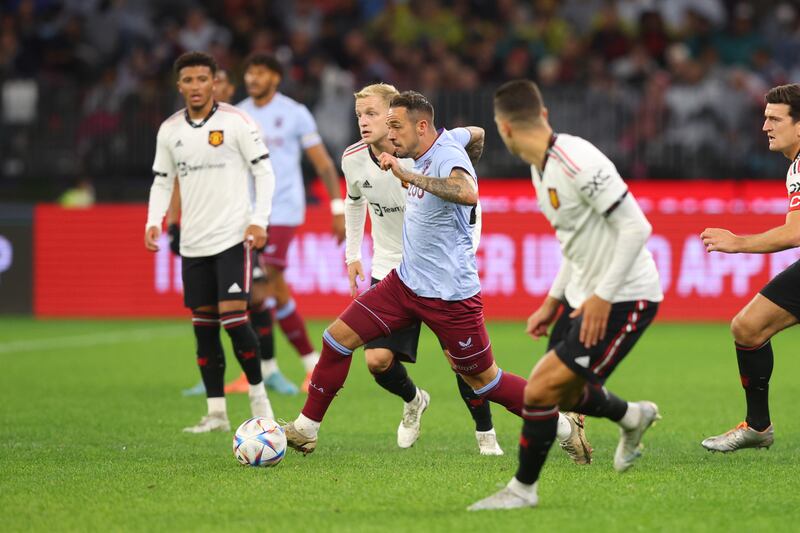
(384,197)
(577,189)
(212,159)
(793,184)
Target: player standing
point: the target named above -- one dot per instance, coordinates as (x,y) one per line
(437,280)
(289,130)
(777,306)
(607,284)
(210,147)
(378,192)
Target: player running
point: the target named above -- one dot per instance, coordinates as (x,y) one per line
(210,147)
(289,130)
(437,279)
(377,191)
(777,306)
(607,284)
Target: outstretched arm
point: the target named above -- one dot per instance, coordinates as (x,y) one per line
(773,240)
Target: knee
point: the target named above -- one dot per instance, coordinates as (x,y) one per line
(746,333)
(344,335)
(378,361)
(542,392)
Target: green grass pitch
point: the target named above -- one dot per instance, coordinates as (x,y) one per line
(91,413)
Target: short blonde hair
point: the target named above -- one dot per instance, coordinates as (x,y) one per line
(382,90)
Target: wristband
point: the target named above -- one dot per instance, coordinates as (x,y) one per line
(337,207)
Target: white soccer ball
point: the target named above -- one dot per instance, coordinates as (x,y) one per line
(259,441)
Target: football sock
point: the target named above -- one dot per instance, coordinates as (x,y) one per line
(294,328)
(217,406)
(309,361)
(538,433)
(210,354)
(507,389)
(395,379)
(306,426)
(328,377)
(245,344)
(478,407)
(755,369)
(600,402)
(262,324)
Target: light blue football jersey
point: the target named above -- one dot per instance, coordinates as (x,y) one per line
(288,128)
(438,249)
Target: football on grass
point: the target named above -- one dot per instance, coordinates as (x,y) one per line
(259,442)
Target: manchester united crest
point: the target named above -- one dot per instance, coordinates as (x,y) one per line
(216,137)
(554,198)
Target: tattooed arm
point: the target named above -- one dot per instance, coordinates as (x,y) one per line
(475,146)
(459,187)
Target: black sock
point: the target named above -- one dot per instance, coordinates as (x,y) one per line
(478,407)
(600,402)
(262,324)
(395,379)
(245,344)
(538,433)
(755,369)
(210,354)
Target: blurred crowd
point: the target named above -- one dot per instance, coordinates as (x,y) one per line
(669,89)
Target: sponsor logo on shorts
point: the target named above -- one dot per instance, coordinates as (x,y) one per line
(234,288)
(465,344)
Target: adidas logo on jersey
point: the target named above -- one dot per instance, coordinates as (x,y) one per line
(178,144)
(583,361)
(234,288)
(366,185)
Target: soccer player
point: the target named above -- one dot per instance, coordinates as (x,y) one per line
(607,284)
(370,186)
(210,147)
(289,130)
(437,279)
(777,306)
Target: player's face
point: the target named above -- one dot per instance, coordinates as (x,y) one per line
(223,88)
(402,132)
(260,81)
(782,132)
(371,114)
(196,85)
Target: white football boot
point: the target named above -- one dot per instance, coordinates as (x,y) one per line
(210,422)
(630,440)
(300,442)
(742,436)
(487,442)
(576,445)
(509,497)
(408,430)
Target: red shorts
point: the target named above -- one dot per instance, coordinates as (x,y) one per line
(390,305)
(278,240)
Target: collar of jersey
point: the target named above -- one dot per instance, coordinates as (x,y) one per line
(203,122)
(550,144)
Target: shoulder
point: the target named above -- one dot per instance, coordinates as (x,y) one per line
(794,169)
(577,154)
(354,149)
(238,115)
(171,122)
(354,155)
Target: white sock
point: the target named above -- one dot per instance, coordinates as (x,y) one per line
(564,428)
(216,406)
(310,360)
(257,391)
(306,426)
(417,398)
(490,432)
(268,367)
(632,416)
(526,491)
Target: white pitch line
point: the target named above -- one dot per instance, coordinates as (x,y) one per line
(93,339)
